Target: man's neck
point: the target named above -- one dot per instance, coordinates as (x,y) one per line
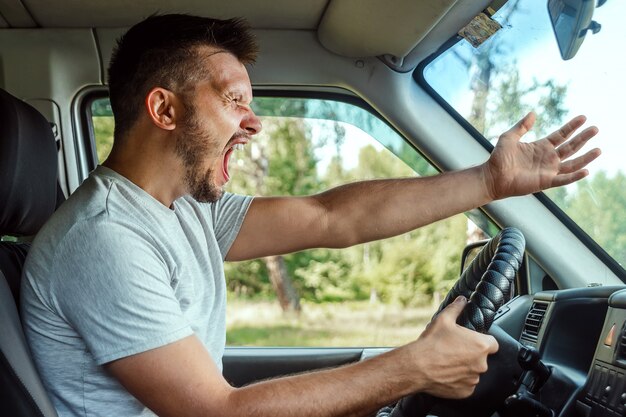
(157,171)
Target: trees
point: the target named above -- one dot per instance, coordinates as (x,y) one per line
(598,205)
(282,165)
(406,269)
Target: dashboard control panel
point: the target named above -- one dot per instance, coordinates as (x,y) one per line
(604,393)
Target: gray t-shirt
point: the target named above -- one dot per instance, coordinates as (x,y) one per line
(115,273)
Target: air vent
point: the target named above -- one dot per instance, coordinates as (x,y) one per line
(533,321)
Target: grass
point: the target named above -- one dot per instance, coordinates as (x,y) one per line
(347,324)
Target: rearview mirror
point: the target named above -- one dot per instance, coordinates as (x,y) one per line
(571,19)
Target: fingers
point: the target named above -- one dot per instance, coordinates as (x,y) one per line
(572,171)
(561,135)
(451,358)
(575,164)
(521,128)
(560,180)
(450,314)
(569,148)
(484,343)
(453,310)
(492,346)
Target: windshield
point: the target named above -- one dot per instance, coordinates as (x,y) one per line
(520,69)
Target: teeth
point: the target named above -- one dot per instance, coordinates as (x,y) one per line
(238,147)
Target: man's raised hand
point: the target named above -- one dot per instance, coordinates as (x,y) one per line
(518,168)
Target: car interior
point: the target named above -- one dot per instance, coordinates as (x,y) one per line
(562,334)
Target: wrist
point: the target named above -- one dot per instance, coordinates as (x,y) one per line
(411,372)
(487,181)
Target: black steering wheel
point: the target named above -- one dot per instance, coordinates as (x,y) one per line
(487,281)
(487,284)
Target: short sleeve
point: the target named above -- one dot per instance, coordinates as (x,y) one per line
(228,214)
(115,291)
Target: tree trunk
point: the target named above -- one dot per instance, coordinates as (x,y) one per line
(480,87)
(436,298)
(287,297)
(373,296)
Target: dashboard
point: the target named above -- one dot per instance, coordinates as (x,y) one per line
(571,348)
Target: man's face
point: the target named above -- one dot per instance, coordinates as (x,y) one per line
(217,118)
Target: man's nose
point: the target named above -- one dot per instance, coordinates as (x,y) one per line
(251,123)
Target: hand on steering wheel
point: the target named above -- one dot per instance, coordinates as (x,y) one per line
(487,283)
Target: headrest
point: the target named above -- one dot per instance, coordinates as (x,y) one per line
(28,168)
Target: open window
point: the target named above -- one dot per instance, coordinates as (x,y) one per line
(376,294)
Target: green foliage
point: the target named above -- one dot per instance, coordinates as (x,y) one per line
(379,164)
(248,279)
(291,167)
(406,269)
(103,125)
(101,108)
(511,100)
(103,130)
(598,206)
(345,324)
(409,269)
(275,335)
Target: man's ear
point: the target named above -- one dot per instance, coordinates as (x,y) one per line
(162,106)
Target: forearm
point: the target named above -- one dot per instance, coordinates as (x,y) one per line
(354,390)
(181,379)
(371,210)
(445,362)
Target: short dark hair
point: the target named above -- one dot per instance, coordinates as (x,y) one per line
(162,50)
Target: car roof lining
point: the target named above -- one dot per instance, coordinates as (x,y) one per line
(393,29)
(357,28)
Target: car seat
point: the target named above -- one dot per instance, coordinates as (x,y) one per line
(29,194)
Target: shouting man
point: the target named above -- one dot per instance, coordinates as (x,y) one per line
(124,293)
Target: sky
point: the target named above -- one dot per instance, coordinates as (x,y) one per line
(596,79)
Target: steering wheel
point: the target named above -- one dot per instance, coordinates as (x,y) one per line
(487,281)
(487,284)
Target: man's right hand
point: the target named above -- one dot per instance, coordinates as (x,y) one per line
(449,358)
(181,379)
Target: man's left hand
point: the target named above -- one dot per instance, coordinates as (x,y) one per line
(518,168)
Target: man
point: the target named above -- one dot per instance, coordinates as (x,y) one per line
(123,292)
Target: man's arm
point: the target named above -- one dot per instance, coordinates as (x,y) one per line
(181,379)
(371,210)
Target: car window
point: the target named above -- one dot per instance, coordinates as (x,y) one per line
(376,294)
(103,124)
(520,69)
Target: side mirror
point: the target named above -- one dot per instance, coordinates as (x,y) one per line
(470,251)
(571,19)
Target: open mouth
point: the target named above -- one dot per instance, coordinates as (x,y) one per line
(235,146)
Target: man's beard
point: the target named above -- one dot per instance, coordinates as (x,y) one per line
(193,147)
